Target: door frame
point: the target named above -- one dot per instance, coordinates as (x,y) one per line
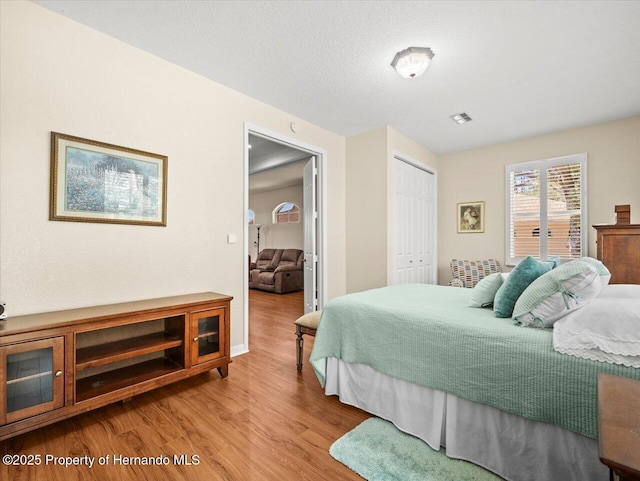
(396,155)
(321,201)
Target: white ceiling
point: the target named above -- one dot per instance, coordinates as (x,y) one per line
(266,154)
(286,176)
(273,165)
(517,68)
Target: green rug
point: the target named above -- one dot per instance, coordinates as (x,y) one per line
(378,451)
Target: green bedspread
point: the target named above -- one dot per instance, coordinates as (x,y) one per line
(427,335)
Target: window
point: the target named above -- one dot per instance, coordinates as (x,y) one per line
(546,196)
(286,213)
(251,216)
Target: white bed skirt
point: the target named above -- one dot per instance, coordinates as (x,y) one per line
(509,445)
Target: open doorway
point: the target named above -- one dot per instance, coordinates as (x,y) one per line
(284,196)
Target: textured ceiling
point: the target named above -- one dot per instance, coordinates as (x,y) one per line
(517,68)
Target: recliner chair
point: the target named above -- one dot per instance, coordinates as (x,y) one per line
(278,270)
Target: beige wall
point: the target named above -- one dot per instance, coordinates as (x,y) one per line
(366,209)
(58,75)
(369,161)
(613,172)
(279,236)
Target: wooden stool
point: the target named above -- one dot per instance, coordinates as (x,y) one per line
(307,324)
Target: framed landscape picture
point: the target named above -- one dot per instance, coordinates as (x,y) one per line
(470,217)
(93,181)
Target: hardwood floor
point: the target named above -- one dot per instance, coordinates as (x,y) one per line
(265,422)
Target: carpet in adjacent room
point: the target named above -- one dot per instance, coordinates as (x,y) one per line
(378,451)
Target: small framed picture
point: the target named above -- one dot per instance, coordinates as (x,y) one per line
(470,217)
(93,181)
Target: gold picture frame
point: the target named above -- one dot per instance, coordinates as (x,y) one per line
(470,217)
(94,181)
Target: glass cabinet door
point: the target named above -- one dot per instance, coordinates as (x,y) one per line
(207,330)
(32,378)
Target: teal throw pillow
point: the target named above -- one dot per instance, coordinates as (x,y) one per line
(485,290)
(527,271)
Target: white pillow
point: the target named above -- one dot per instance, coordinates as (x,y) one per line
(620,291)
(606,330)
(556,293)
(485,290)
(605,275)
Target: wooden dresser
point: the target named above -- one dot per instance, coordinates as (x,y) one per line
(619,250)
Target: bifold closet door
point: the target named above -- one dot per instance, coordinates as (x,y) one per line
(413,224)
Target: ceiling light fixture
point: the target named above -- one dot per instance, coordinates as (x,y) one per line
(461,118)
(413,61)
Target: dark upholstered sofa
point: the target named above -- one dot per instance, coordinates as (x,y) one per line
(278,270)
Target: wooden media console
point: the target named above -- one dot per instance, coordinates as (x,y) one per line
(58,364)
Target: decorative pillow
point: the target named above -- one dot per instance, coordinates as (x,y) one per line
(520,277)
(606,330)
(556,293)
(482,295)
(605,275)
(620,291)
(469,273)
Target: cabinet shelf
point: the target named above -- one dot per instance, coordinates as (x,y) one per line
(28,378)
(110,381)
(125,349)
(207,334)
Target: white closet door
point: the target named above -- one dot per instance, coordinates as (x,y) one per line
(413,224)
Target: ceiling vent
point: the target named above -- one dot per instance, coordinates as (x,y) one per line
(461,118)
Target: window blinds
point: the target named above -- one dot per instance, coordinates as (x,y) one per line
(546,208)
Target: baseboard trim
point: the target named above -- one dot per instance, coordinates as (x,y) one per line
(239,350)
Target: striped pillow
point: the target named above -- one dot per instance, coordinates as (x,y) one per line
(605,275)
(557,293)
(468,273)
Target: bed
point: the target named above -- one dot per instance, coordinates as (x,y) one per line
(492,392)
